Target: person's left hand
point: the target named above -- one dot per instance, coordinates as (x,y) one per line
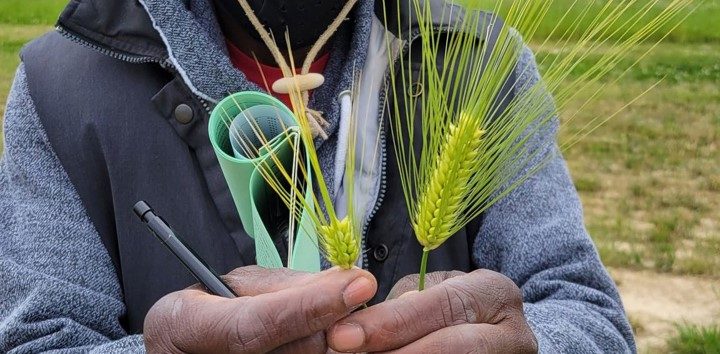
(457,313)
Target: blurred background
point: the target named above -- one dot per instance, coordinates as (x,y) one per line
(649,178)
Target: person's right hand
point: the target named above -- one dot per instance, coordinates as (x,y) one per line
(278,310)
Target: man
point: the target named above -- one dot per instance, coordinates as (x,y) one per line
(113,108)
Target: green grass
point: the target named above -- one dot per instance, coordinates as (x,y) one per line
(671,62)
(30,12)
(649,177)
(701,26)
(695,340)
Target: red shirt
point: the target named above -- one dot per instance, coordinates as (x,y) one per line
(255,71)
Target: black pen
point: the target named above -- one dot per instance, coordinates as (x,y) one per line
(190,259)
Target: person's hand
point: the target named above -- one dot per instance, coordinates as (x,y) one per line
(479,312)
(278,310)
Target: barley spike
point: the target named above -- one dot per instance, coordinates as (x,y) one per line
(442,202)
(340,243)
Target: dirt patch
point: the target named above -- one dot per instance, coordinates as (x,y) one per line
(655,302)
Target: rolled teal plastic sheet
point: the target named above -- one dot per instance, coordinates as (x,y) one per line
(233,130)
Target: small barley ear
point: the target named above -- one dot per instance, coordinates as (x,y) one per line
(340,243)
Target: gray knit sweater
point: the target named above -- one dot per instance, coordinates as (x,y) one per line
(59,290)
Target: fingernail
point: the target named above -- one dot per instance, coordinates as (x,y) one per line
(358,292)
(347,337)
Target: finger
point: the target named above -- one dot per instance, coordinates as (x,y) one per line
(255,280)
(410,282)
(313,344)
(478,297)
(298,312)
(191,321)
(290,314)
(194,321)
(173,324)
(475,338)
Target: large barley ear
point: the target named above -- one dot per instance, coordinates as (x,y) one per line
(475,138)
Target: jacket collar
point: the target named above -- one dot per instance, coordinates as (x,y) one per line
(123,26)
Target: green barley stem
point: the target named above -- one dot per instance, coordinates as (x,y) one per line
(423,269)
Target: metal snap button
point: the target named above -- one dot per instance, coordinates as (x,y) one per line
(381,253)
(183,113)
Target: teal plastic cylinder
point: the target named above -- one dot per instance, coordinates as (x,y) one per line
(238,171)
(247,186)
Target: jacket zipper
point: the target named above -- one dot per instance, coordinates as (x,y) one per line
(383,148)
(383,183)
(205,105)
(130,58)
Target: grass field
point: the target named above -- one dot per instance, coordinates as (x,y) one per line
(692,339)
(649,179)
